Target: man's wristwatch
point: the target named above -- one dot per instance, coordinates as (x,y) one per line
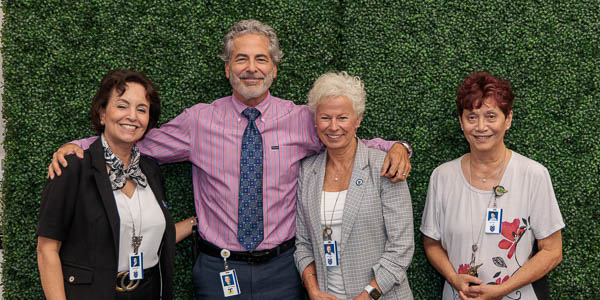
(373,292)
(408,148)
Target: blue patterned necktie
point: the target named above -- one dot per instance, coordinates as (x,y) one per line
(250,210)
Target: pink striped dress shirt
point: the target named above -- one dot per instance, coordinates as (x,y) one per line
(210,136)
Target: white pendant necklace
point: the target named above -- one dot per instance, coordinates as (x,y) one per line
(336,177)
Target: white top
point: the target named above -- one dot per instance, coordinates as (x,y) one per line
(152,222)
(530,210)
(335,280)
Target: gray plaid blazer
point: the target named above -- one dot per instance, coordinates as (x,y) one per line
(377,226)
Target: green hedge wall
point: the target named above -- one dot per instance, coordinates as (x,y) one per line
(411,55)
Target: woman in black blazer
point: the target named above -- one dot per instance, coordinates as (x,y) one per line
(108,209)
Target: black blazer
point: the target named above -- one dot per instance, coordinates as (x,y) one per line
(79,209)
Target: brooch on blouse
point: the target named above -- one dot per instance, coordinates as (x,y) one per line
(500,190)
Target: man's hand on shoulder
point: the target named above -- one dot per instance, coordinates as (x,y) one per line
(58,158)
(396,165)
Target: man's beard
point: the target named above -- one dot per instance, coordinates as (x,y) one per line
(251,92)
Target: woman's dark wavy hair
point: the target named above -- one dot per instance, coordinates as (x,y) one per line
(480,86)
(117,80)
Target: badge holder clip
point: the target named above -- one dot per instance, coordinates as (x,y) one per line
(229,280)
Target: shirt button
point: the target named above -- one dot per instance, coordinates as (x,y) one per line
(263,119)
(239,119)
(71,278)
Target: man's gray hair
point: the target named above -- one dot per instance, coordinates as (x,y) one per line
(336,84)
(251,26)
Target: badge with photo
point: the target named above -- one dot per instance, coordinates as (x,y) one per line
(493,223)
(331,253)
(230,284)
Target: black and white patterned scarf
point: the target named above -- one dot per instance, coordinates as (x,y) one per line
(118,174)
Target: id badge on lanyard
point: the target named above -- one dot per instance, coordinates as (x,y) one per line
(229,280)
(331,253)
(493,223)
(136,266)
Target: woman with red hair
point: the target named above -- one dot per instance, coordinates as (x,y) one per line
(491,224)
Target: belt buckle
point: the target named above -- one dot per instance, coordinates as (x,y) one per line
(130,286)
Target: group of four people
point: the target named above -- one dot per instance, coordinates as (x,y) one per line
(273,225)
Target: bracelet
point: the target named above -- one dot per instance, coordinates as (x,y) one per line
(306,276)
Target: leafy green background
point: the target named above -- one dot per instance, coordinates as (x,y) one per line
(411,55)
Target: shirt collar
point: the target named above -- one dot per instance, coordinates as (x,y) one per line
(263,106)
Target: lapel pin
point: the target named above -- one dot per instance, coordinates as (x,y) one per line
(359,181)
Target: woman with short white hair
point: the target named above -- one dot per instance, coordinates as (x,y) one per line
(354,230)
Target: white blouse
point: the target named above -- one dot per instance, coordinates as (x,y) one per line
(151,220)
(455,212)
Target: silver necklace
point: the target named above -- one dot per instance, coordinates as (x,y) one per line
(336,177)
(484,179)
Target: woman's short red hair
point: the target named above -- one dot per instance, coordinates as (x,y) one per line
(480,86)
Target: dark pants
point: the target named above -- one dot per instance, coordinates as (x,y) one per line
(275,279)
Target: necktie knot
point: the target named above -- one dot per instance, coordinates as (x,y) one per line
(251,113)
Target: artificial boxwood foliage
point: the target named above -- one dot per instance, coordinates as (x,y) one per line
(411,55)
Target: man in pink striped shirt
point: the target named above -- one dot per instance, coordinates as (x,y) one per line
(210,136)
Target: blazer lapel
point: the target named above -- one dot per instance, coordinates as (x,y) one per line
(314,200)
(105,189)
(358,183)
